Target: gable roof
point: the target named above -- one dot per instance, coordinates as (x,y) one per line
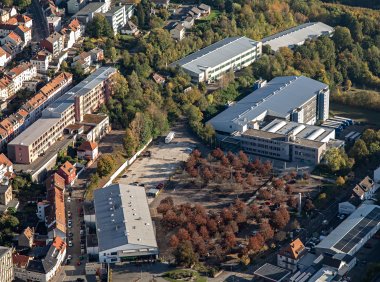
(67,168)
(88,146)
(4,160)
(28,233)
(364,186)
(293,250)
(20,261)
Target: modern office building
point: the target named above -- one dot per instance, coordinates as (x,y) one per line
(230,54)
(82,99)
(353,232)
(6,265)
(298,35)
(285,141)
(123,224)
(292,98)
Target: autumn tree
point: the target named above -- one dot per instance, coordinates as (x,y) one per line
(105,165)
(174,241)
(255,243)
(266,231)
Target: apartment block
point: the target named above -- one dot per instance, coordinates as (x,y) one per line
(55,43)
(117,17)
(6,265)
(20,74)
(84,98)
(211,63)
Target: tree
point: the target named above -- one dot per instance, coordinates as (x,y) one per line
(105,165)
(337,159)
(359,151)
(342,38)
(183,235)
(266,231)
(230,240)
(340,181)
(174,241)
(308,205)
(185,255)
(99,27)
(130,143)
(255,243)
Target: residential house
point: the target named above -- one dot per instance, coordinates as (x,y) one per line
(19,74)
(44,269)
(178,32)
(97,54)
(14,39)
(188,22)
(195,13)
(5,57)
(159,79)
(73,6)
(205,9)
(72,32)
(83,60)
(88,150)
(365,189)
(6,265)
(55,219)
(41,61)
(55,43)
(54,23)
(6,87)
(130,28)
(68,172)
(26,238)
(24,20)
(7,13)
(6,28)
(289,256)
(25,33)
(6,173)
(20,263)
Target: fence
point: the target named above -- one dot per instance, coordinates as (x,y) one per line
(126,164)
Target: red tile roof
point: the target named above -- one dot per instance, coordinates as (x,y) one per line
(67,168)
(88,146)
(59,244)
(4,160)
(294,250)
(20,261)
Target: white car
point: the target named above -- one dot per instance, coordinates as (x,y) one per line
(69,257)
(68,199)
(70,244)
(69,213)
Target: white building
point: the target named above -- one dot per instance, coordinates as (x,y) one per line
(298,35)
(289,256)
(178,32)
(123,224)
(211,63)
(353,232)
(365,189)
(41,61)
(21,73)
(6,265)
(117,17)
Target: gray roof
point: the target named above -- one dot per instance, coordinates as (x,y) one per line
(279,97)
(297,35)
(352,228)
(216,53)
(93,80)
(123,218)
(272,272)
(91,7)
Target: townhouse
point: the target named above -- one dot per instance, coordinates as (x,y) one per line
(55,43)
(20,74)
(5,57)
(41,61)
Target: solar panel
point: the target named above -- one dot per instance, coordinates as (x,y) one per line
(360,230)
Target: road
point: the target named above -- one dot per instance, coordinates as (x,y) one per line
(40,29)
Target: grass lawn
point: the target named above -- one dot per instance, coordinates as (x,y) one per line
(356,113)
(213,15)
(179,272)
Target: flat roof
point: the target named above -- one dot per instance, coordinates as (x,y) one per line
(123,218)
(34,131)
(351,231)
(272,272)
(297,35)
(216,53)
(91,7)
(279,97)
(93,80)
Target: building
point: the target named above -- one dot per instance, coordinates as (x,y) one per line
(289,256)
(376,176)
(188,22)
(86,14)
(44,269)
(83,60)
(339,263)
(55,43)
(41,61)
(6,265)
(26,238)
(68,172)
(353,232)
(88,150)
(123,224)
(54,23)
(298,35)
(365,189)
(117,17)
(293,98)
(205,9)
(73,6)
(348,207)
(20,263)
(97,55)
(130,28)
(210,63)
(271,273)
(285,141)
(178,32)
(20,74)
(84,98)
(55,219)
(5,57)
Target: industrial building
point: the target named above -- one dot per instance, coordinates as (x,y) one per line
(84,98)
(123,224)
(230,54)
(286,141)
(353,232)
(292,98)
(297,35)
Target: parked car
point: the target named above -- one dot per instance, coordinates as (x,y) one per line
(160,186)
(69,224)
(70,243)
(68,199)
(69,257)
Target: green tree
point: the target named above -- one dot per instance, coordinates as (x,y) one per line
(342,38)
(359,151)
(106,164)
(99,27)
(130,143)
(337,159)
(185,255)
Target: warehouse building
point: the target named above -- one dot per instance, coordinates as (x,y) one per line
(292,98)
(230,54)
(124,226)
(352,233)
(298,35)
